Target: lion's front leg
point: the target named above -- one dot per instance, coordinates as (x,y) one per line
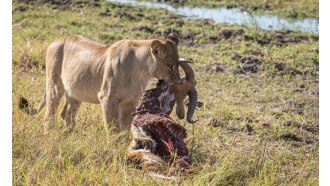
(108,100)
(109,105)
(125,115)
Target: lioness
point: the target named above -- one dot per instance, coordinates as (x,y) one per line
(114,76)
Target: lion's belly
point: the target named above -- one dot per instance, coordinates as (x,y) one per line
(84,93)
(84,96)
(127,94)
(82,86)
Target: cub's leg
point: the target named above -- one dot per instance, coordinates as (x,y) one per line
(70,111)
(125,117)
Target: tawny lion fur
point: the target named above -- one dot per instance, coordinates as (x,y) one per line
(113,76)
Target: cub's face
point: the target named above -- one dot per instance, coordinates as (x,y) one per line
(166,56)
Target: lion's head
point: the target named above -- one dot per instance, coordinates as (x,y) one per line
(166,56)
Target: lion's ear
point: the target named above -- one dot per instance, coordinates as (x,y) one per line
(157,48)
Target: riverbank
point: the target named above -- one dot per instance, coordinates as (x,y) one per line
(289,9)
(232,16)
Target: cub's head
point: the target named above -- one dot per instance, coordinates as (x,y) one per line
(166,56)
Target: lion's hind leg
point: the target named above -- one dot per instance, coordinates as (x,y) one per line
(70,111)
(54,94)
(54,84)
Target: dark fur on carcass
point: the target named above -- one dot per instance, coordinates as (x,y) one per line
(168,135)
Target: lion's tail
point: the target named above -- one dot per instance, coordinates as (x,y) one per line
(27,108)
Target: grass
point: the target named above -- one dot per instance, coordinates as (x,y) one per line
(265,79)
(284,8)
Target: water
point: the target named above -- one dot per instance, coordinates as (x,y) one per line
(234,16)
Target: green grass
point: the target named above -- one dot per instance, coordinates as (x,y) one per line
(279,101)
(284,8)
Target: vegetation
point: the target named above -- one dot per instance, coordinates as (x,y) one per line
(258,123)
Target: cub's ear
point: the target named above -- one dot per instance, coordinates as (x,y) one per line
(157,48)
(174,38)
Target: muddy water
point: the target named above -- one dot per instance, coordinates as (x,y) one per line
(234,16)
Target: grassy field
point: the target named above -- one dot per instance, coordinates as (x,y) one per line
(259,120)
(284,8)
